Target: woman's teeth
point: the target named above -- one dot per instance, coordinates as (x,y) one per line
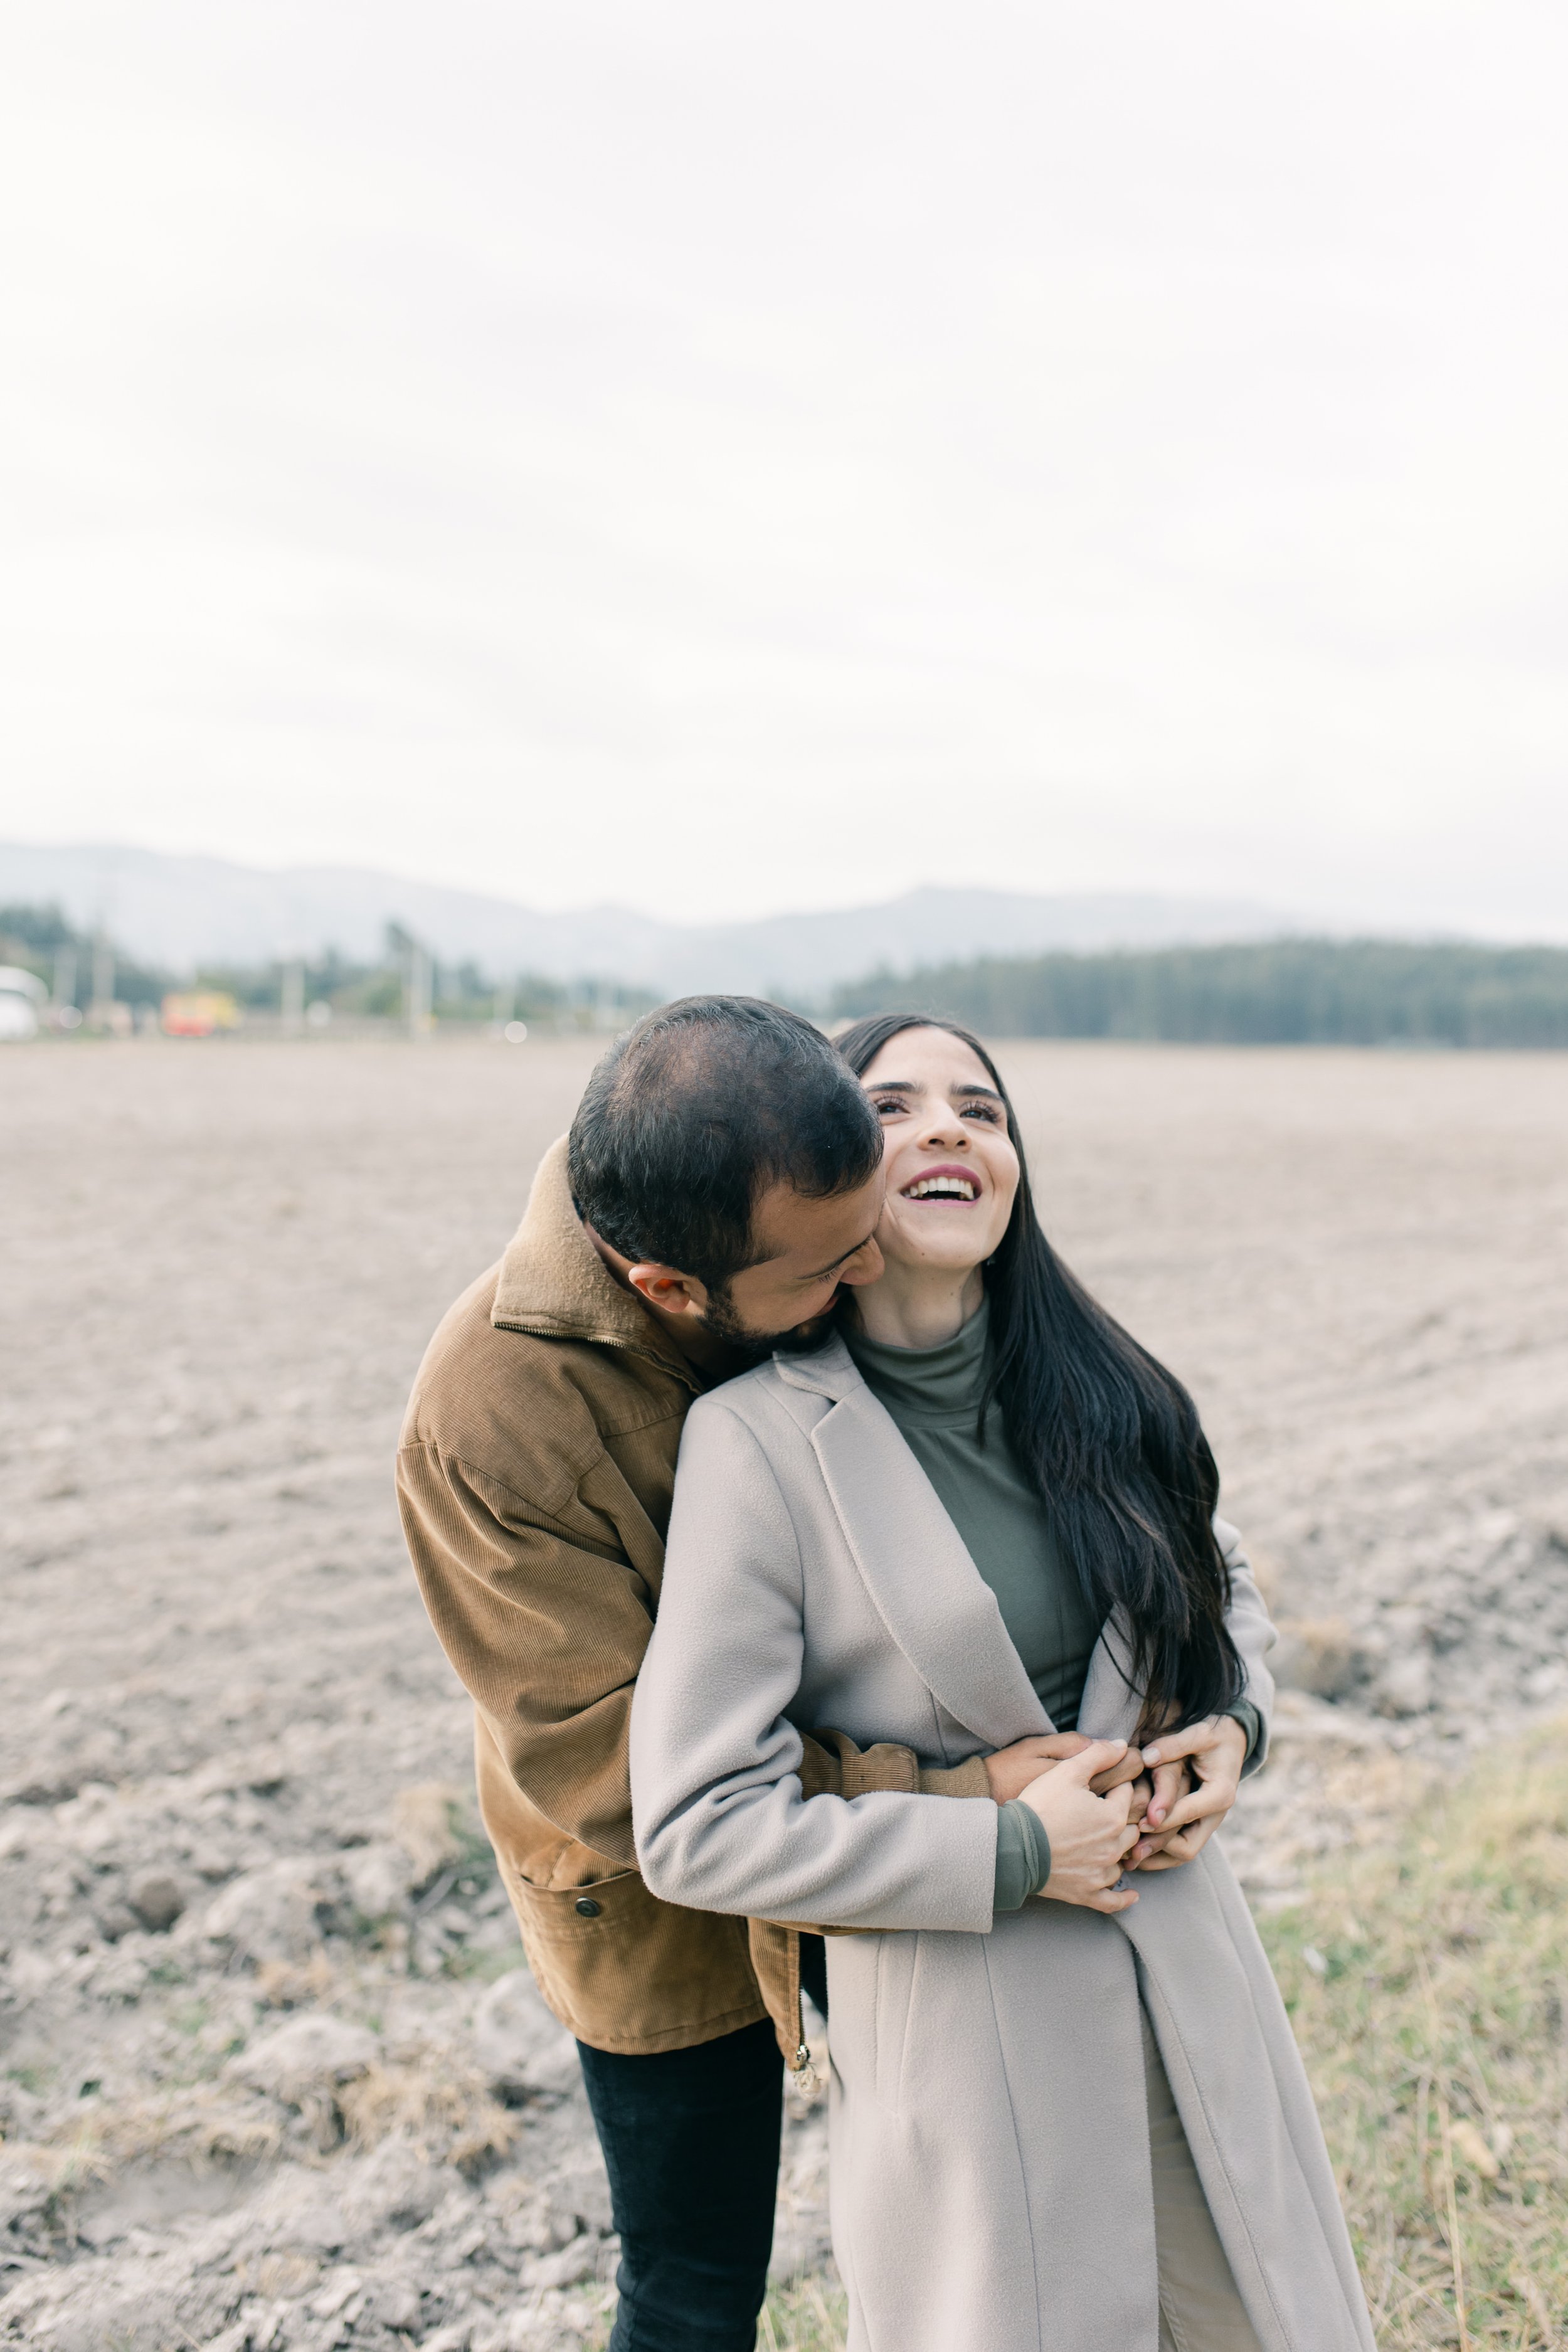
(942,1188)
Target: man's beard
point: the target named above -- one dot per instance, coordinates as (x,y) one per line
(756,1347)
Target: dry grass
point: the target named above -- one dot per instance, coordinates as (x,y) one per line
(807,2315)
(199,2126)
(1427,1981)
(1428,1986)
(431,1822)
(448,2112)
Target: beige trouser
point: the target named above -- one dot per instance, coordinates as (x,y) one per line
(1200,2310)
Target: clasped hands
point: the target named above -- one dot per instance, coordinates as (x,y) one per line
(1110,1809)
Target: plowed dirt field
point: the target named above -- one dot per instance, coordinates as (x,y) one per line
(272,2076)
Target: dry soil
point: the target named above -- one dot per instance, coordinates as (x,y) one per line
(273,2074)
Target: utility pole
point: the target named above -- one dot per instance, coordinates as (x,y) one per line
(292,997)
(420,982)
(102,978)
(64,977)
(419,979)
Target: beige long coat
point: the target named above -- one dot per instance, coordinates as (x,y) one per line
(990,2176)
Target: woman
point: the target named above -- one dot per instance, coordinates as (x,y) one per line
(1075,2124)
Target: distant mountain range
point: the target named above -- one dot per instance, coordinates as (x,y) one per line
(181,911)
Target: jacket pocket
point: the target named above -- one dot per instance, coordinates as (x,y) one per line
(570,1915)
(624,1971)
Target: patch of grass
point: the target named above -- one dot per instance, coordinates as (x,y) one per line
(284,1984)
(435,1824)
(193,2123)
(1428,1982)
(806,2315)
(448,2111)
(476,1965)
(269,2274)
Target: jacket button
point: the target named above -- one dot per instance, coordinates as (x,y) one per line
(586,1906)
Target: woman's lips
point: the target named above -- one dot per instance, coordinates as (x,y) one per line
(951,1184)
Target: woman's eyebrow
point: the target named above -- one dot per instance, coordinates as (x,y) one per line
(909,1086)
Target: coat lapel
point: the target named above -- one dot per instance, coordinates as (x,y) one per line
(1112,1703)
(928,1591)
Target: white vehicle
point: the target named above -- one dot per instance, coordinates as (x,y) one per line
(21,994)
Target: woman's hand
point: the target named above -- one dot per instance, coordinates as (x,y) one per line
(1089,1834)
(1213,1751)
(1142,1791)
(1151,1841)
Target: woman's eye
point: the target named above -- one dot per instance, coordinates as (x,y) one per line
(889,1105)
(981,1110)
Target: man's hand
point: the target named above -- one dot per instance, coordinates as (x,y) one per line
(1213,1752)
(1011,1770)
(1089,1836)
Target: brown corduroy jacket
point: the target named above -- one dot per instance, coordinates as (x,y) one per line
(534,1477)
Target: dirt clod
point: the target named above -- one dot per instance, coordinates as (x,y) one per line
(156,1901)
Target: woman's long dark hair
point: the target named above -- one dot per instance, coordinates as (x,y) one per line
(1110,1439)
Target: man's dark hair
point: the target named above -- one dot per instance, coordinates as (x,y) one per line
(694,1114)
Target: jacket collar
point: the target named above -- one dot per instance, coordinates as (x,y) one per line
(554,1284)
(928,1591)
(829,1370)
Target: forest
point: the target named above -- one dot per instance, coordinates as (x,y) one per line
(1293,992)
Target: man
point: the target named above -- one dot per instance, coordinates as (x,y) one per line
(721,1182)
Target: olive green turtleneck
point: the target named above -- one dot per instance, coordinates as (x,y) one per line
(933,1395)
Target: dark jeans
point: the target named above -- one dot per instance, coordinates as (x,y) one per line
(692,2145)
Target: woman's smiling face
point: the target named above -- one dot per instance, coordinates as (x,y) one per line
(952,1170)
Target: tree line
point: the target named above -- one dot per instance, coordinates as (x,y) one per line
(1267,993)
(1295,992)
(41,939)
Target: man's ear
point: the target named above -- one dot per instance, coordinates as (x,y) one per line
(668,1292)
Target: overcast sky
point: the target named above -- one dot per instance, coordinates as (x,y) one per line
(730,458)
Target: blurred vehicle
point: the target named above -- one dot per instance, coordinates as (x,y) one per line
(201,1013)
(21,994)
